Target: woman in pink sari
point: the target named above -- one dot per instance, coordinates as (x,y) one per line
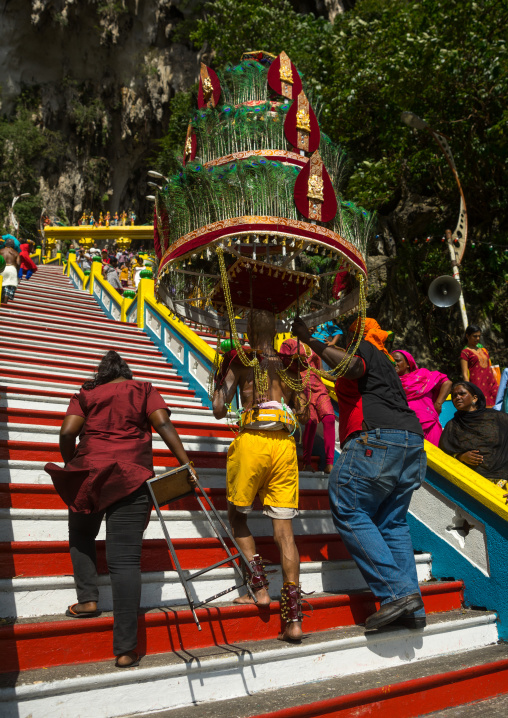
(425,391)
(321,409)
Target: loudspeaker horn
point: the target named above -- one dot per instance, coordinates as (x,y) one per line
(444,291)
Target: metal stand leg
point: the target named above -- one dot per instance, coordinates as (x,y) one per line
(211,514)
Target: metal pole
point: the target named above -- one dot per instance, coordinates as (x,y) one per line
(43,236)
(455,270)
(13,220)
(460,233)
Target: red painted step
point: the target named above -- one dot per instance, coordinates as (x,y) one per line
(67,395)
(59,320)
(48,310)
(42,451)
(72,328)
(32,417)
(93,343)
(87,367)
(25,646)
(410,699)
(77,381)
(67,316)
(46,353)
(44,496)
(51,558)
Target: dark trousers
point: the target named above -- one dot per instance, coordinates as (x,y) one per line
(125,523)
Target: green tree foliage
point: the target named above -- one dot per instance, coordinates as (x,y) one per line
(448,63)
(25,148)
(171,145)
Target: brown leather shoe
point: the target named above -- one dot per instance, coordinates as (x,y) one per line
(393,610)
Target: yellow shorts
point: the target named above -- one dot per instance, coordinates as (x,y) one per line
(264,463)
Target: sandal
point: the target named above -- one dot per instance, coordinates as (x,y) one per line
(135,661)
(81,614)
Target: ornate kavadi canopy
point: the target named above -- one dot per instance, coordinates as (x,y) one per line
(255,219)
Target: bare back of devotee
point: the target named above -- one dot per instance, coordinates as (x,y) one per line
(261,331)
(243,377)
(10,255)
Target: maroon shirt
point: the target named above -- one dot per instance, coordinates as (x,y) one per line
(114,455)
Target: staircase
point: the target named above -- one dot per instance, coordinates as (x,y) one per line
(51,339)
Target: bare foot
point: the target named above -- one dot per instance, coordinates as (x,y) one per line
(262,595)
(88,607)
(124,660)
(328,468)
(293,632)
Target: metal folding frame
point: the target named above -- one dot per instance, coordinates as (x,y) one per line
(172,486)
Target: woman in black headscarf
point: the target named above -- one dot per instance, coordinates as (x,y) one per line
(477,436)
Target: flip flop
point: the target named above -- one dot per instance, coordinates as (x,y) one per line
(81,614)
(134,663)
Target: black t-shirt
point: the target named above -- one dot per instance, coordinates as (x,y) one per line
(376,400)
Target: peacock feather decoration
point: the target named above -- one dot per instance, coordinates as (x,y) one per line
(255,217)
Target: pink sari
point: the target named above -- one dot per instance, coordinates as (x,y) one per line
(422,388)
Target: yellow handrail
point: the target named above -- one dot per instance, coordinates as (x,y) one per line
(109,289)
(182,329)
(468,480)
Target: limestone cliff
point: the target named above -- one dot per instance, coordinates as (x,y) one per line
(102,75)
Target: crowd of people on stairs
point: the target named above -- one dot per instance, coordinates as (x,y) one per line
(120,267)
(386,406)
(16,265)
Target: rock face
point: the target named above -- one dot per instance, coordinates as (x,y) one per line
(102,74)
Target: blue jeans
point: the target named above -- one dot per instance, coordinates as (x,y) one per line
(370,489)
(28,273)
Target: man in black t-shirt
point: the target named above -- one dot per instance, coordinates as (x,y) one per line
(370,487)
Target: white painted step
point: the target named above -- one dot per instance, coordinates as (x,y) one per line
(106,328)
(85,324)
(33,371)
(205,675)
(20,471)
(28,346)
(61,388)
(43,302)
(46,298)
(56,293)
(16,401)
(53,292)
(41,403)
(82,313)
(34,434)
(81,342)
(163,370)
(50,292)
(51,524)
(50,595)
